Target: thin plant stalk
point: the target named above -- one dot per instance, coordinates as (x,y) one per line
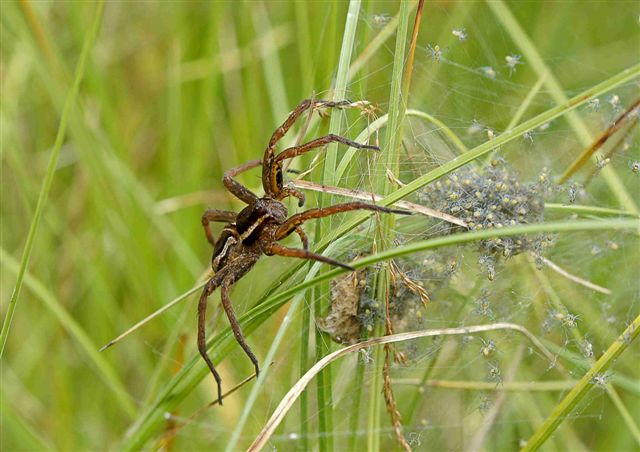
(510,386)
(324,388)
(630,115)
(376,43)
(588,210)
(587,382)
(89,40)
(389,161)
(368,196)
(274,78)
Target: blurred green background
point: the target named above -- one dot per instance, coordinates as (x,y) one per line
(175,93)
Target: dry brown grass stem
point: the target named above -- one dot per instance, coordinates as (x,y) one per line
(368,196)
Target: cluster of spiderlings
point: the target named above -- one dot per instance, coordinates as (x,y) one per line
(492,197)
(421,273)
(371,312)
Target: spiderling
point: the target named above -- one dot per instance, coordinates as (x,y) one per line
(459,33)
(512,61)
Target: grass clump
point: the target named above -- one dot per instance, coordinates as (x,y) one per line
(173,96)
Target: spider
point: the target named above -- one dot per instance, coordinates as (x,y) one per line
(257,229)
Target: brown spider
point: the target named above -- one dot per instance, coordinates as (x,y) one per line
(257,229)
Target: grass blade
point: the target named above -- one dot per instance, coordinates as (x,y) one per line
(565,407)
(78,334)
(324,388)
(504,15)
(51,169)
(194,371)
(295,391)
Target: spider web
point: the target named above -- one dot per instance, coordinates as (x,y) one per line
(475,86)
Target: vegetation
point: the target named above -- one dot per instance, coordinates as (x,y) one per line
(118,121)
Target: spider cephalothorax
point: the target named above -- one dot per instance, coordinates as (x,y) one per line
(258,228)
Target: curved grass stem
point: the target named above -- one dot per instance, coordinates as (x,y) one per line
(294,392)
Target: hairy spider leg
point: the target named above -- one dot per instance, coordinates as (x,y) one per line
(284,128)
(303,238)
(225,278)
(211,215)
(236,188)
(202,339)
(277,249)
(275,171)
(231,315)
(296,220)
(295,151)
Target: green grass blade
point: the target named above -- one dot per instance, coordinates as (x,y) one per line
(567,404)
(324,387)
(504,15)
(483,149)
(194,370)
(78,334)
(340,89)
(388,161)
(587,210)
(376,43)
(51,169)
(272,67)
